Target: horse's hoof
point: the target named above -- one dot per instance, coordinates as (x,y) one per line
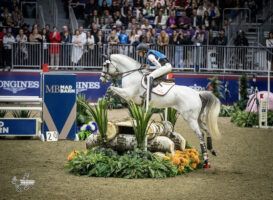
(213,152)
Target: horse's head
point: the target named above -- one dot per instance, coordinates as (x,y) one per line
(117,64)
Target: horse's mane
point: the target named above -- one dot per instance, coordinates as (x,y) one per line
(126,61)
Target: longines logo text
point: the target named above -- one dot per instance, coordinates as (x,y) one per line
(16,86)
(59,89)
(83,86)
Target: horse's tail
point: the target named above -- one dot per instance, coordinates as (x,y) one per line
(211,109)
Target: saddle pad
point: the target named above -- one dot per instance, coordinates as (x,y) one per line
(161,89)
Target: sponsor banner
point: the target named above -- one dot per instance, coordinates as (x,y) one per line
(90,85)
(20,84)
(59,106)
(18,127)
(28,84)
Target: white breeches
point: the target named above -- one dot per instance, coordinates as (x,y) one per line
(165,69)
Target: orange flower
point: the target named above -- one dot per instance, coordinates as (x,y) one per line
(176,160)
(72,155)
(193,165)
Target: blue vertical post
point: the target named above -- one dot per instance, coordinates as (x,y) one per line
(59,106)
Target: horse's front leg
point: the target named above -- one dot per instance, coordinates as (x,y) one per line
(122,92)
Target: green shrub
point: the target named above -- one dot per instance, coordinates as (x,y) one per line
(244,119)
(100,116)
(83,135)
(141,123)
(21,114)
(82,116)
(3,113)
(107,163)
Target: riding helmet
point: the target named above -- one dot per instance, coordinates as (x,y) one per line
(142,47)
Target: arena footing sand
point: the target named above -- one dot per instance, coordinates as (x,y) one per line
(243,169)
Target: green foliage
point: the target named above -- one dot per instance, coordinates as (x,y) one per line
(107,163)
(100,116)
(82,116)
(172,115)
(3,113)
(21,114)
(244,119)
(140,123)
(83,135)
(243,85)
(216,87)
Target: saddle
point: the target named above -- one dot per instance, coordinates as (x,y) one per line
(161,86)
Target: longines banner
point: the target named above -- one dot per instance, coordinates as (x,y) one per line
(28,84)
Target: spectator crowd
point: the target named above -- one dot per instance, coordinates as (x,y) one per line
(118,22)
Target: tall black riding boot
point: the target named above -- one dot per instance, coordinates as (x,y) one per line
(151,87)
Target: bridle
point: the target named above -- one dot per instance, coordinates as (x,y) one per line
(107,75)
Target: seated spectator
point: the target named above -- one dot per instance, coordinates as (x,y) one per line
(5,15)
(92,18)
(148,11)
(241,53)
(160,20)
(214,13)
(90,6)
(206,20)
(171,21)
(3,32)
(123,41)
(183,20)
(146,25)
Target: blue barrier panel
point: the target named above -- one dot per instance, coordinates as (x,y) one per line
(20,84)
(18,127)
(59,106)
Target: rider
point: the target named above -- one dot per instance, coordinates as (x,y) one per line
(154,58)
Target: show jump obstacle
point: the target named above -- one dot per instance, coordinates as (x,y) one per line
(57,107)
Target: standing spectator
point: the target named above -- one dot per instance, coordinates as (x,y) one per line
(214,13)
(45,42)
(22,51)
(220,40)
(134,41)
(178,40)
(163,41)
(34,47)
(123,41)
(269,45)
(3,32)
(196,19)
(112,42)
(99,42)
(90,42)
(77,49)
(8,40)
(66,39)
(241,41)
(54,49)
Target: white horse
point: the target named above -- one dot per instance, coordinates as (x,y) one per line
(194,106)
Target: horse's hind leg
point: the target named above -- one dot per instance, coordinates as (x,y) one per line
(204,129)
(195,127)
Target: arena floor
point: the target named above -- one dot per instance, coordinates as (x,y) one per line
(242,170)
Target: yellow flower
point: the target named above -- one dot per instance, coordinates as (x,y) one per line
(181,169)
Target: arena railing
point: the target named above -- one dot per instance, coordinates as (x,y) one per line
(206,58)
